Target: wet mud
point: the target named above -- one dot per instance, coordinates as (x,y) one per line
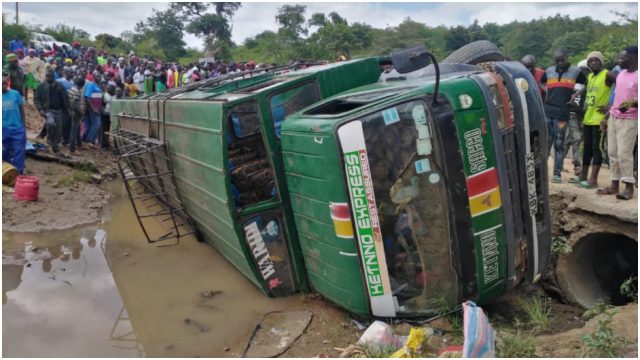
(67,197)
(100,290)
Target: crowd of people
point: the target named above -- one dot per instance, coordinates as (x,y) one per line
(601,102)
(73,88)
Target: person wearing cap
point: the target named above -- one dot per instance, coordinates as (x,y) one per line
(622,126)
(34,70)
(15,74)
(52,102)
(14,135)
(598,91)
(560,81)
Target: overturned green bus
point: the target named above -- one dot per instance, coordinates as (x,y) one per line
(386,194)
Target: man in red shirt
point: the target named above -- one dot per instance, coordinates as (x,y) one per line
(529,61)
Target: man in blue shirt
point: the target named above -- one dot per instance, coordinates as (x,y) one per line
(93,96)
(67,83)
(14,136)
(16,44)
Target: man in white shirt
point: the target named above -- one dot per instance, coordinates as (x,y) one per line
(138,78)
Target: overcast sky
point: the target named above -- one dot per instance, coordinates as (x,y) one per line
(253,18)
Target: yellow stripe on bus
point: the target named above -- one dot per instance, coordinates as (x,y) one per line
(485,202)
(344,228)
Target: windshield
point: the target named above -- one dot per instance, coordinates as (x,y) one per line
(412,207)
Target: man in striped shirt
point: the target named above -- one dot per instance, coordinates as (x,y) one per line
(560,81)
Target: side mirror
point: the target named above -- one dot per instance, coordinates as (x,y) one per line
(410,59)
(415,58)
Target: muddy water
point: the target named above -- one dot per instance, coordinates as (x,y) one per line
(102,291)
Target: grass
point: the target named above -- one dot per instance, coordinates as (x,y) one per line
(374,351)
(440,305)
(629,288)
(538,312)
(598,308)
(604,342)
(560,246)
(76,176)
(516,346)
(457,328)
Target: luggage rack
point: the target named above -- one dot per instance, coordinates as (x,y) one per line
(145,168)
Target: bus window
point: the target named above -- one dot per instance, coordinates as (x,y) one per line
(290,101)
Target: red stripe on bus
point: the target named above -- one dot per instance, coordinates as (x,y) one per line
(483,182)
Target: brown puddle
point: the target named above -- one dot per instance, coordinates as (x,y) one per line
(102,291)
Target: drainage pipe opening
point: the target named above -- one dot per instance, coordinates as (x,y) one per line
(596,268)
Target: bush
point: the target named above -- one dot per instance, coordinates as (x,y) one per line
(516,346)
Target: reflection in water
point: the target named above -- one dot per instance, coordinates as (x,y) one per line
(75,293)
(58,293)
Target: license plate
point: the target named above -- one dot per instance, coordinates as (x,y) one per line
(531,184)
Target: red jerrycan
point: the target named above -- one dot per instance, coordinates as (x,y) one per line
(26,188)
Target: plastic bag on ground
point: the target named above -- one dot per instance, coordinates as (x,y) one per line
(479,337)
(381,335)
(413,346)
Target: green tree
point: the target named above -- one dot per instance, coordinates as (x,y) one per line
(213,27)
(65,33)
(292,21)
(527,39)
(112,44)
(493,33)
(10,31)
(456,37)
(318,19)
(407,33)
(107,41)
(335,39)
(476,32)
(337,19)
(149,46)
(576,43)
(167,29)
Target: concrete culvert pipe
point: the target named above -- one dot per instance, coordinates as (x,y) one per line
(598,264)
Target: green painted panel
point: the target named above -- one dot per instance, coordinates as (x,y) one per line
(478,153)
(314,183)
(198,114)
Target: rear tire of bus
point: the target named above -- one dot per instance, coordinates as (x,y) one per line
(476,52)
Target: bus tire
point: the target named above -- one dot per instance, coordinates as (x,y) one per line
(475,52)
